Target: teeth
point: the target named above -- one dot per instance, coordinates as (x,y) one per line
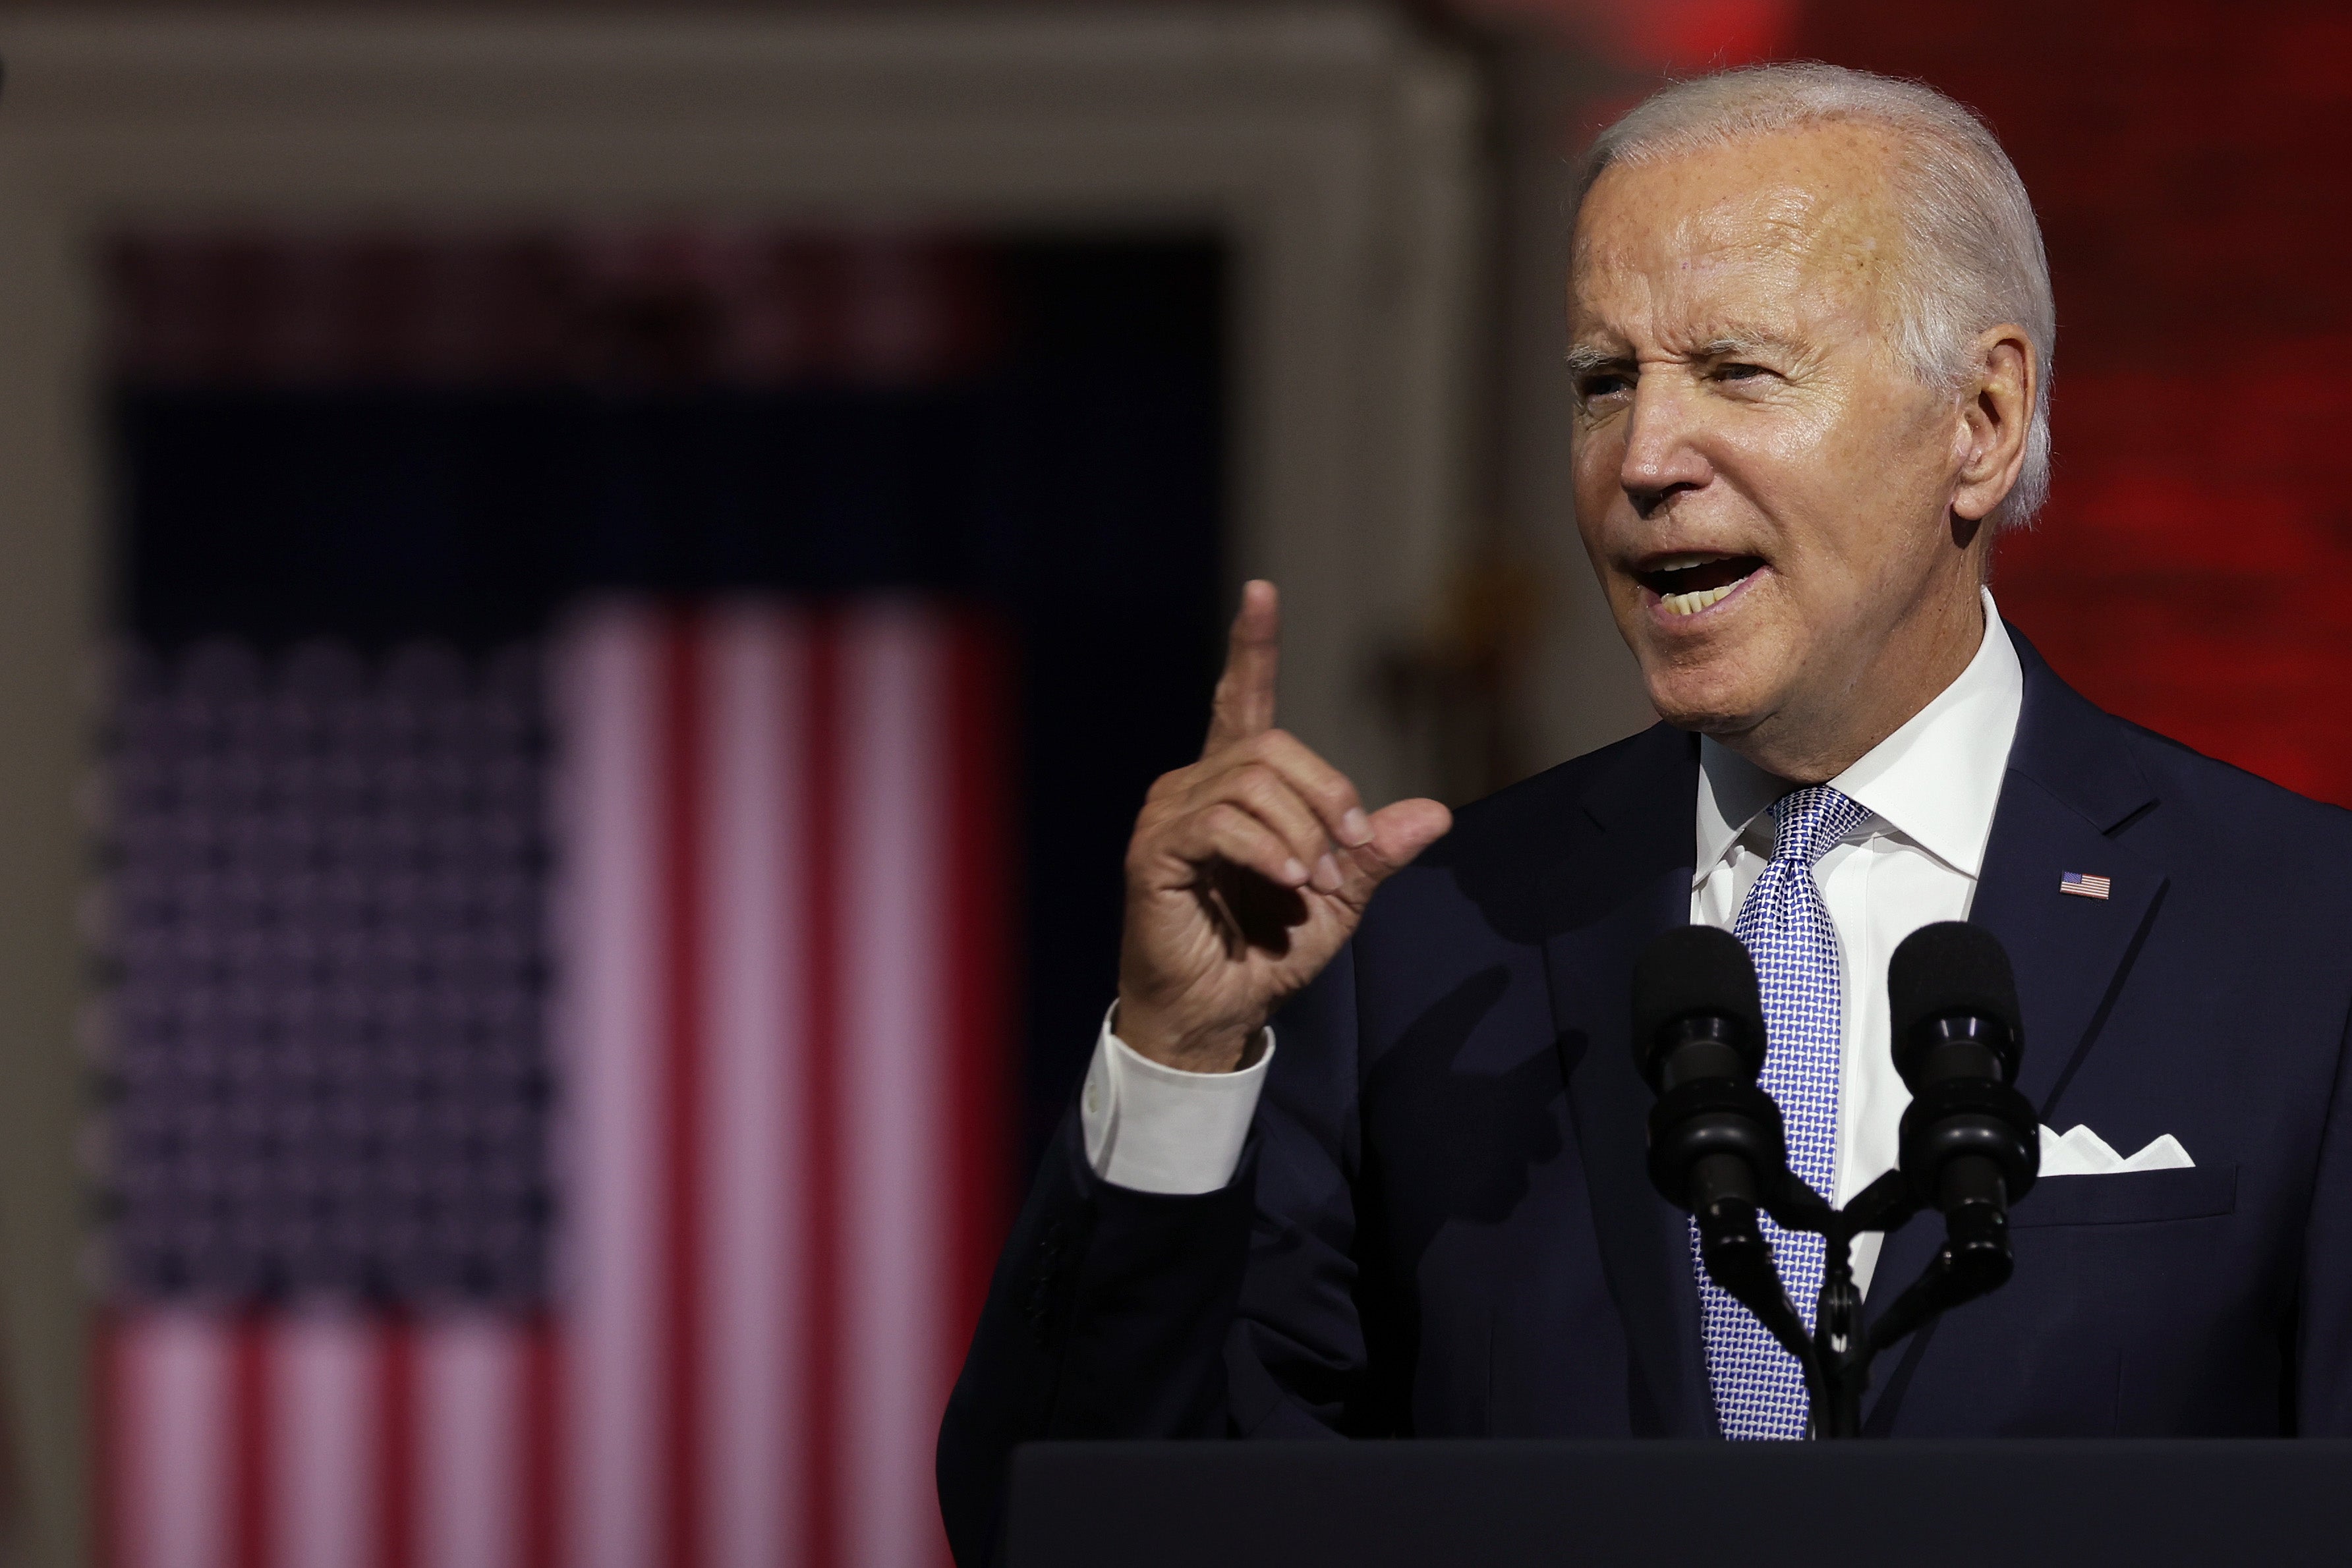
(1692,603)
(1682,562)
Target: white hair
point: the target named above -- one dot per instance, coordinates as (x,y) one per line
(1973,256)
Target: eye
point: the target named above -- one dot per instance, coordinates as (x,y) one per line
(1602,384)
(1739,371)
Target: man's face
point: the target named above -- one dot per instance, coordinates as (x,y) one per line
(1763,487)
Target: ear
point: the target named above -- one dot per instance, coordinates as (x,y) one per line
(1996,407)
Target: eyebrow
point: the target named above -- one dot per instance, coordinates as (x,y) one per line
(1583,358)
(1734,344)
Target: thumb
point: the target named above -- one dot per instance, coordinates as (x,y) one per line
(1400,830)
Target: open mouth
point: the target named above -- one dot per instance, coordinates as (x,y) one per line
(1686,584)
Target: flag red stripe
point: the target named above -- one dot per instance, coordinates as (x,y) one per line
(541,1428)
(683,798)
(252,1454)
(396,1452)
(819,1431)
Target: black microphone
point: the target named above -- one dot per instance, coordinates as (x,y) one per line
(1971,1145)
(1699,1041)
(1716,1148)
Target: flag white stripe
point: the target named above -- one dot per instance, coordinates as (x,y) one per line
(752,1391)
(893,1143)
(176,1367)
(609,802)
(323,1403)
(469,1396)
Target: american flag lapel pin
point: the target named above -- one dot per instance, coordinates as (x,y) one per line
(2081,884)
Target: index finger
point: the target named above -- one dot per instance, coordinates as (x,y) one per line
(1244,705)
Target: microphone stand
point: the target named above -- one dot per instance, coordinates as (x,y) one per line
(1974,1261)
(1716,1148)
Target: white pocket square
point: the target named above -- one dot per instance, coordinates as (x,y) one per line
(2081,1152)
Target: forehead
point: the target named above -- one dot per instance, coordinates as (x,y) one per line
(1772,230)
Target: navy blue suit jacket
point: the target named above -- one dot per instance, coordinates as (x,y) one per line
(1441,1224)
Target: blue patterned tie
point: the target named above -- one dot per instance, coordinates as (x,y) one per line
(1760,1389)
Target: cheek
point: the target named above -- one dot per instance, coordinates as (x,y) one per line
(1839,472)
(1592,532)
(1811,440)
(1897,437)
(1592,450)
(1594,458)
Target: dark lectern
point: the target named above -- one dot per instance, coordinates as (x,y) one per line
(2016,1504)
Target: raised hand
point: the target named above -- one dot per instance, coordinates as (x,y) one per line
(1248,869)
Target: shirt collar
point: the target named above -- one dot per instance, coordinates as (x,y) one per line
(1937,779)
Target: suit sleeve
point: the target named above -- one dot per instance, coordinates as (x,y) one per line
(2323,1362)
(1116,1313)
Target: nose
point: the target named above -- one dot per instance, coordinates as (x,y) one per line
(1661,456)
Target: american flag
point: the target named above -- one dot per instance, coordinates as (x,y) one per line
(2084,885)
(554,1098)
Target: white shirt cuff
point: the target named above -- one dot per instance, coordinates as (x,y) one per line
(1150,1128)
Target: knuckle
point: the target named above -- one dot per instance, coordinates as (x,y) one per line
(1223,819)
(1167,784)
(1252,781)
(1234,831)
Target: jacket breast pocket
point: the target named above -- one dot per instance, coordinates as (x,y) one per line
(2128,1198)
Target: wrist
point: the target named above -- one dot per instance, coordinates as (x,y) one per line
(1206,1049)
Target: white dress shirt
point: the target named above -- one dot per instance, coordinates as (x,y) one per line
(1931,788)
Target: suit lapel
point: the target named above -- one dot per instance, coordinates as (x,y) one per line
(2070,787)
(2070,953)
(1629,878)
(2071,790)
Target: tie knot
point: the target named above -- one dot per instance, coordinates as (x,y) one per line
(1811,820)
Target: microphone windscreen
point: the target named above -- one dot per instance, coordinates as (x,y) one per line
(1950,966)
(1692,969)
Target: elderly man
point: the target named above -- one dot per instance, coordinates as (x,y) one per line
(1810,335)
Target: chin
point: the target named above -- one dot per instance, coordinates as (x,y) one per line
(1708,699)
(1720,678)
